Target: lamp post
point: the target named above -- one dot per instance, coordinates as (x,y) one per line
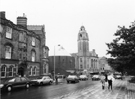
(54,62)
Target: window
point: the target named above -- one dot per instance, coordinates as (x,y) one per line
(33,41)
(3,71)
(11,71)
(34,71)
(80,59)
(30,72)
(8,50)
(17,79)
(44,52)
(20,36)
(44,68)
(9,32)
(33,56)
(81,67)
(24,79)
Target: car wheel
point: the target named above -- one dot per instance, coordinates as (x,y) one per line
(27,85)
(9,88)
(41,83)
(50,82)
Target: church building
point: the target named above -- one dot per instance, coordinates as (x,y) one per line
(85,61)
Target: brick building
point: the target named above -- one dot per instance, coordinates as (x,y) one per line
(64,62)
(21,49)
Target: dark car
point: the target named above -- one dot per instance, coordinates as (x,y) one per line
(72,78)
(15,83)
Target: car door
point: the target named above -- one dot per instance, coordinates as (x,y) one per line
(17,82)
(47,80)
(44,80)
(24,81)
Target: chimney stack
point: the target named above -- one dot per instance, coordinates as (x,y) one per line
(2,14)
(22,20)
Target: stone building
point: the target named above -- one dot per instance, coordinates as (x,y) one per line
(40,31)
(104,66)
(85,61)
(21,49)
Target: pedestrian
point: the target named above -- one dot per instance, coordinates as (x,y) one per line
(102,79)
(56,79)
(110,81)
(106,78)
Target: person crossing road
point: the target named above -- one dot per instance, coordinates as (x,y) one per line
(102,79)
(110,81)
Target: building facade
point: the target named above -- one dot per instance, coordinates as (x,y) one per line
(104,66)
(85,61)
(40,31)
(21,49)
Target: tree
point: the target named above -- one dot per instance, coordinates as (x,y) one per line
(122,50)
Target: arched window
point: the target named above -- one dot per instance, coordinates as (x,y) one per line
(34,71)
(44,68)
(9,32)
(33,56)
(44,53)
(8,52)
(33,41)
(11,71)
(3,71)
(30,71)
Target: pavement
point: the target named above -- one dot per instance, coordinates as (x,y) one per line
(122,89)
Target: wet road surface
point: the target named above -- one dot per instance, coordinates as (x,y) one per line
(47,91)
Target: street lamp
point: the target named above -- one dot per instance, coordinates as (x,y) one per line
(54,62)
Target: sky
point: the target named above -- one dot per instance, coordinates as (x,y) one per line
(63,19)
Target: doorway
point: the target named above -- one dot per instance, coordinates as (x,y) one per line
(21,71)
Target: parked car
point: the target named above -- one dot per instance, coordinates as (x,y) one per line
(118,76)
(95,77)
(83,77)
(15,83)
(72,78)
(41,80)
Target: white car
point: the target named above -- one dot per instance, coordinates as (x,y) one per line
(95,77)
(41,80)
(83,77)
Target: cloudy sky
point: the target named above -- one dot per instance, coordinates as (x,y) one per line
(63,19)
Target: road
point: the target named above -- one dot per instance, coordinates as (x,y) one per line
(82,90)
(48,91)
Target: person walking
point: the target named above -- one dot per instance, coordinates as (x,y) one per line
(110,81)
(102,79)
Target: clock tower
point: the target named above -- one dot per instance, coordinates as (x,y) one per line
(83,42)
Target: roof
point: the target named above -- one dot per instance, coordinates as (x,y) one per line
(35,27)
(60,51)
